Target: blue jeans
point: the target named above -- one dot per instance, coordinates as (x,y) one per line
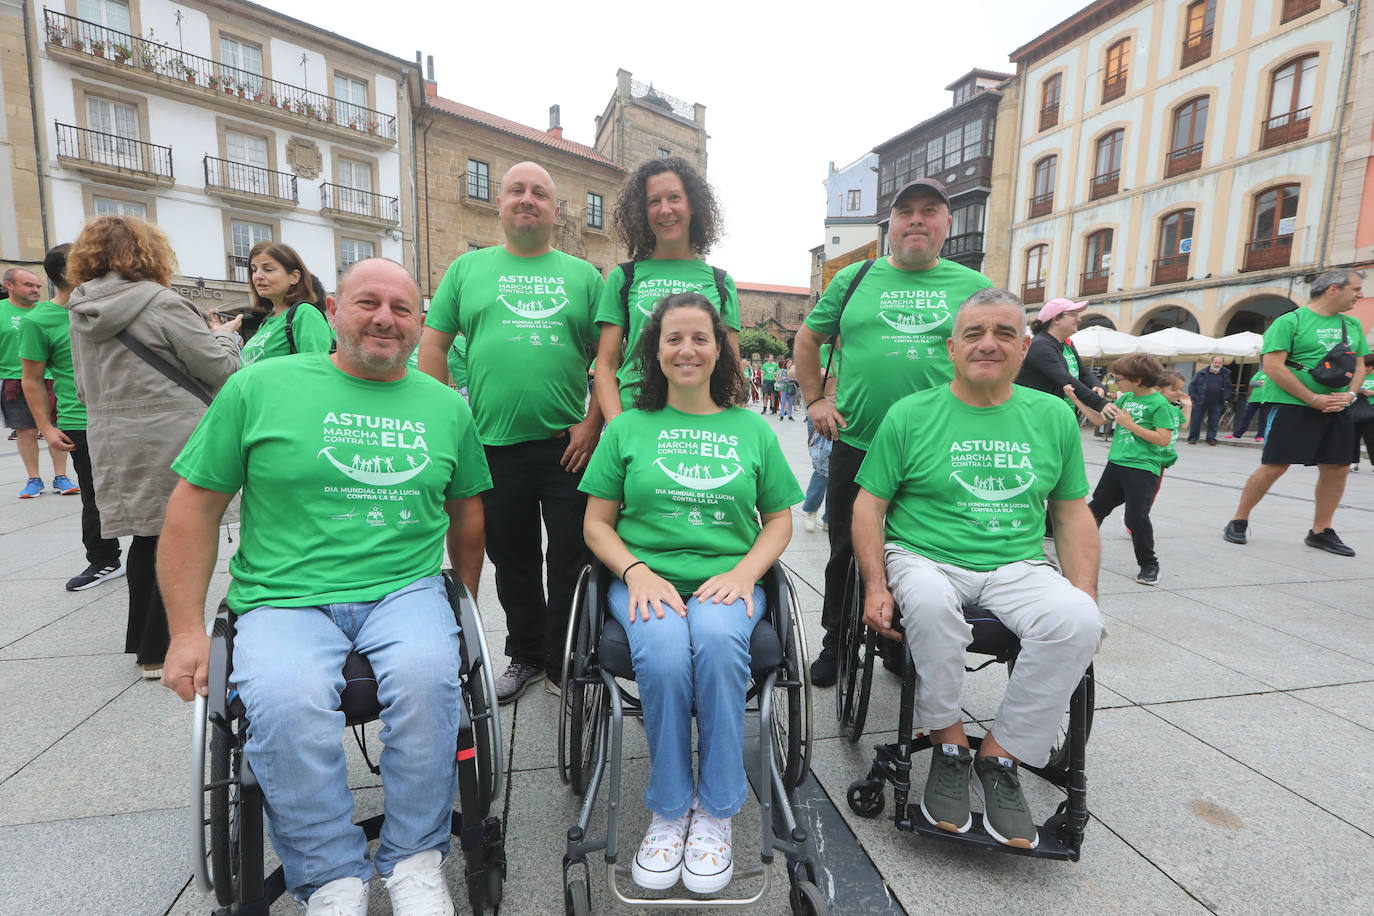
(815,493)
(702,658)
(786,400)
(288,669)
(1213,414)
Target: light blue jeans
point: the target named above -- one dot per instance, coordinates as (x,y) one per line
(703,658)
(288,669)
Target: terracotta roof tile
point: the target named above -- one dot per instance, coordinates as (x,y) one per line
(771,288)
(534,135)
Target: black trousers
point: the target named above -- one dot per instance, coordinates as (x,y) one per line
(844,467)
(1136,489)
(146,635)
(528,482)
(1364,430)
(99,551)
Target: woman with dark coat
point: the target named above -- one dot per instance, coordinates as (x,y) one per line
(1052,362)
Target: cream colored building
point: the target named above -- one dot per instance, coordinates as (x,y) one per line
(641,122)
(1173,161)
(22,242)
(226,124)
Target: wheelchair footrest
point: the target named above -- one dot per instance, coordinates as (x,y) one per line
(1049,847)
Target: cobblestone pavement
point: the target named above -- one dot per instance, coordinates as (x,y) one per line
(1229,766)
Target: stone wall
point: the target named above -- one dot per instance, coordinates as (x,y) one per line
(21,219)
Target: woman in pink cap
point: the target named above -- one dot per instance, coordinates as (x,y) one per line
(1052,362)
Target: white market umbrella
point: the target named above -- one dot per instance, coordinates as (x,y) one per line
(1097,342)
(1178,344)
(1244,346)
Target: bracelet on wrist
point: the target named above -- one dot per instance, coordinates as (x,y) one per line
(812,401)
(630,567)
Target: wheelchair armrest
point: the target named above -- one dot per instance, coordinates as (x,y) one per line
(221,665)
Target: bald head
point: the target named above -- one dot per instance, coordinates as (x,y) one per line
(527,205)
(377,267)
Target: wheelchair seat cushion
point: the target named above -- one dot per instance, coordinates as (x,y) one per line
(765,650)
(990,635)
(359,698)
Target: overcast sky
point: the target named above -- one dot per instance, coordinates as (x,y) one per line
(788,87)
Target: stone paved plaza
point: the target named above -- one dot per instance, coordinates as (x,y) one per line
(1230,769)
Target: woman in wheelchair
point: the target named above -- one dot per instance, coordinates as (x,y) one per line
(676,490)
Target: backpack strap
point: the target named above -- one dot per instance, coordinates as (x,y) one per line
(173,374)
(628,269)
(853,285)
(290,336)
(720,275)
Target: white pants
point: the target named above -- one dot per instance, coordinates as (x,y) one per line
(1059,626)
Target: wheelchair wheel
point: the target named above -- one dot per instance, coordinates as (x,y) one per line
(856,649)
(791,701)
(479,693)
(579,609)
(236,841)
(865,797)
(585,696)
(806,900)
(1059,751)
(577,899)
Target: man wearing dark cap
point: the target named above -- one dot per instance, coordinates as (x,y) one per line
(892,318)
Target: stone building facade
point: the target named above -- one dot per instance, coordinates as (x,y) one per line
(22,233)
(641,122)
(779,310)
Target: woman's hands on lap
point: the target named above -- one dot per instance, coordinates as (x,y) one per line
(650,591)
(727,588)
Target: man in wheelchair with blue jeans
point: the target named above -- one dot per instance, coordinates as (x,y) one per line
(354,475)
(950,511)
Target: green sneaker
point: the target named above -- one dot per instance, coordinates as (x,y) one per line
(945,800)
(1005,815)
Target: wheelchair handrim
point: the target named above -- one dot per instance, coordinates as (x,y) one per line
(200,864)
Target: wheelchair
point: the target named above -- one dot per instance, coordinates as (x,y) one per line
(597,697)
(232,866)
(1061,835)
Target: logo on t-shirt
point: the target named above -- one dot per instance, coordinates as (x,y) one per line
(913,312)
(654,291)
(379,454)
(377,470)
(995,473)
(534,308)
(700,476)
(532,297)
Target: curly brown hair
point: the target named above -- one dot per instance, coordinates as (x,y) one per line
(726,380)
(132,248)
(300,291)
(630,216)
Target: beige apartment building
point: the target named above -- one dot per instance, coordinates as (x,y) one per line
(1174,162)
(22,238)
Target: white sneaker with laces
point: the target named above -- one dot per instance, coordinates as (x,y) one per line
(809,521)
(340,897)
(710,862)
(417,886)
(659,860)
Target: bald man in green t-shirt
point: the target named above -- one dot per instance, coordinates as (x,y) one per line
(950,512)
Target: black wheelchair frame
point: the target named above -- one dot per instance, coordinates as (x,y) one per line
(595,697)
(233,865)
(1061,835)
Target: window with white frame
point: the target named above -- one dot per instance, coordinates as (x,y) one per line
(353,250)
(350,109)
(855,200)
(246,169)
(117,124)
(112,14)
(355,185)
(110,206)
(243,235)
(246,59)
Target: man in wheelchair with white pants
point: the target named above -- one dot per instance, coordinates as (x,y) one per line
(354,475)
(950,511)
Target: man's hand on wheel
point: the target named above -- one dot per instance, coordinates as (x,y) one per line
(186,669)
(878,611)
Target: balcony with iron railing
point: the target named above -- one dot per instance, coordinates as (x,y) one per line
(138,61)
(1292,9)
(1266,254)
(1094,282)
(1183,160)
(250,184)
(237,271)
(1041,205)
(1049,116)
(1196,47)
(958,245)
(123,159)
(1113,87)
(1286,128)
(361,207)
(1033,293)
(478,187)
(1171,269)
(1105,185)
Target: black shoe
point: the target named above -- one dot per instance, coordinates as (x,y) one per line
(892,652)
(1148,575)
(1235,530)
(1211,442)
(1329,541)
(1192,442)
(95,574)
(825,669)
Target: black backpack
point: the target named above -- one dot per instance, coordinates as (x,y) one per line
(1334,369)
(291,336)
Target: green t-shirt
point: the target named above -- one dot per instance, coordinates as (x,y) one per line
(309,330)
(1071,361)
(1152,412)
(344,480)
(1259,388)
(1368,383)
(529,325)
(458,362)
(692,487)
(45,336)
(10,317)
(770,371)
(894,329)
(655,279)
(1306,337)
(967,485)
(1170,450)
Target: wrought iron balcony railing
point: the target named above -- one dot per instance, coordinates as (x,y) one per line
(114,151)
(1105,185)
(1181,161)
(124,50)
(1171,269)
(1286,128)
(1049,116)
(237,269)
(1196,47)
(1032,293)
(967,243)
(479,187)
(239,177)
(354,202)
(1094,282)
(1264,254)
(1041,204)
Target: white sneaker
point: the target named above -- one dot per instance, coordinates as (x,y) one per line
(417,886)
(340,897)
(809,521)
(710,862)
(659,860)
